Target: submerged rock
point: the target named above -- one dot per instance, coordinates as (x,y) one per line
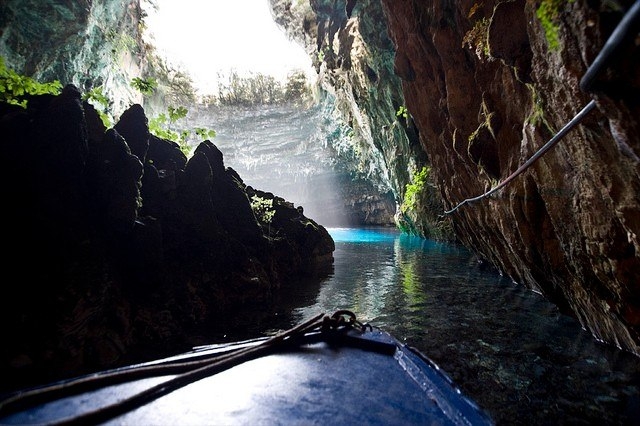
(130,248)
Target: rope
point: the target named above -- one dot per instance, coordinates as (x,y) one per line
(546,147)
(319,328)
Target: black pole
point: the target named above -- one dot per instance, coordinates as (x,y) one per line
(628,26)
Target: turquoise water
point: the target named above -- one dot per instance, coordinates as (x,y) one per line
(509,349)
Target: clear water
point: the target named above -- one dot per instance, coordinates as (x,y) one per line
(509,349)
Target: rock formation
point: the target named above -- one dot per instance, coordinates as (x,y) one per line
(121,247)
(89,44)
(354,59)
(486,84)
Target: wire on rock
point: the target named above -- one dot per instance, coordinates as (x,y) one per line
(546,147)
(625,29)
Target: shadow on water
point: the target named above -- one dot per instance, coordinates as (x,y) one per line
(507,347)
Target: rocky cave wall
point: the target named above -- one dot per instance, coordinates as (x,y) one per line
(354,58)
(88,44)
(486,84)
(490,82)
(120,248)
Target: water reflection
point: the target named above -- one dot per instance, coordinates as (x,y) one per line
(508,348)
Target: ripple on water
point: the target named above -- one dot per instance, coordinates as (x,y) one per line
(507,347)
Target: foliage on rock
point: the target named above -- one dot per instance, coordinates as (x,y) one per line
(421,199)
(548,13)
(15,88)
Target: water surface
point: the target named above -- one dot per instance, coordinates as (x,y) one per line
(508,348)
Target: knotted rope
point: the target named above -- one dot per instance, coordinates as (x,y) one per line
(319,328)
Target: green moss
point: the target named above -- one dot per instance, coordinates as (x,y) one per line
(537,116)
(421,209)
(264,211)
(548,13)
(486,124)
(414,189)
(477,38)
(263,208)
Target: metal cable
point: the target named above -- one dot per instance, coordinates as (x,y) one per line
(546,147)
(625,28)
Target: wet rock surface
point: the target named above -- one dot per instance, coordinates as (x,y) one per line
(354,57)
(94,44)
(487,85)
(122,248)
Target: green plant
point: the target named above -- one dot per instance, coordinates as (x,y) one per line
(176,114)
(99,100)
(159,126)
(402,112)
(15,88)
(548,13)
(414,189)
(162,127)
(145,86)
(260,89)
(204,133)
(263,209)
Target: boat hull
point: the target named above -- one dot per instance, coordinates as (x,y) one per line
(368,378)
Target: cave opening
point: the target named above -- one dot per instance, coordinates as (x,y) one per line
(279,146)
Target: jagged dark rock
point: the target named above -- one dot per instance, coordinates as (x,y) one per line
(124,258)
(234,213)
(113,177)
(134,129)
